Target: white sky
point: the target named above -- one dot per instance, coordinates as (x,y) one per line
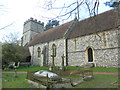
(18,11)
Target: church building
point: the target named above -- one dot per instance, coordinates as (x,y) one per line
(93,40)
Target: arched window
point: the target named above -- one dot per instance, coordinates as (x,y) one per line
(90,55)
(39,51)
(54,50)
(104,39)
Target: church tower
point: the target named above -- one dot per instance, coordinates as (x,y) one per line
(30,29)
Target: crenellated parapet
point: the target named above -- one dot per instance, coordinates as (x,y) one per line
(31,28)
(34,20)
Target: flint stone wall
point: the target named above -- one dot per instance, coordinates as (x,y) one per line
(103,55)
(59,52)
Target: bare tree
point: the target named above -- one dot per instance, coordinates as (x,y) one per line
(12,38)
(2,11)
(2,28)
(66,11)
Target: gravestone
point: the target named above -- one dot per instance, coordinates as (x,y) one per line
(88,78)
(15,73)
(62,65)
(53,57)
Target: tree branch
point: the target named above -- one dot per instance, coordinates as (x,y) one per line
(92,8)
(6,26)
(88,8)
(96,4)
(69,11)
(63,6)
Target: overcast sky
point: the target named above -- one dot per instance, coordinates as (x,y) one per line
(18,11)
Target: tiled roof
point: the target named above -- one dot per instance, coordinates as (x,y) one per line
(99,23)
(51,34)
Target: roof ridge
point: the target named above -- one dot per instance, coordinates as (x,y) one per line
(52,29)
(50,34)
(88,26)
(66,34)
(74,29)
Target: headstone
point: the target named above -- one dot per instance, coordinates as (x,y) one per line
(53,64)
(88,78)
(62,66)
(15,74)
(77,83)
(50,68)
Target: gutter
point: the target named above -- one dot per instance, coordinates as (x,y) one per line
(65,37)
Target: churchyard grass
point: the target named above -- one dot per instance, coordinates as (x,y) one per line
(9,81)
(104,69)
(25,69)
(99,81)
(36,68)
(97,69)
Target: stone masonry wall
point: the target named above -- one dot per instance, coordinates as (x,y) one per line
(107,57)
(59,52)
(105,53)
(28,36)
(34,53)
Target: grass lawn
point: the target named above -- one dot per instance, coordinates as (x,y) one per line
(9,81)
(103,69)
(98,69)
(0,83)
(99,81)
(36,68)
(27,69)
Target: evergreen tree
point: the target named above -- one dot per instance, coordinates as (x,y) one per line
(113,4)
(51,24)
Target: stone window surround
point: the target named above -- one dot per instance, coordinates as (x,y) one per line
(86,53)
(38,52)
(53,49)
(104,40)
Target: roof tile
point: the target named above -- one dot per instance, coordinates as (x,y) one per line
(101,22)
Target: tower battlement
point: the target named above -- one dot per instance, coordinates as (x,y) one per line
(31,28)
(34,20)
